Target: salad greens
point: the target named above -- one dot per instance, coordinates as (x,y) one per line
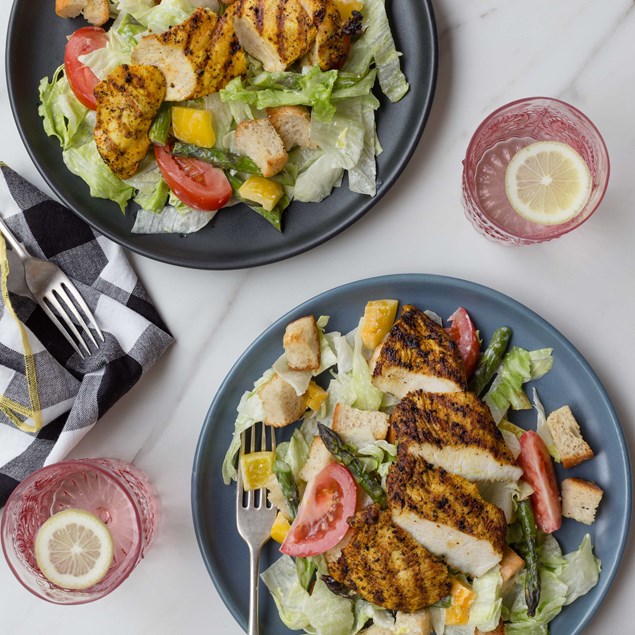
(550,579)
(342,119)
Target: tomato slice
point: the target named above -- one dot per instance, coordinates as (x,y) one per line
(539,473)
(196,183)
(463,332)
(80,77)
(329,500)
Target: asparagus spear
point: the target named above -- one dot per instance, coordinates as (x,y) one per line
(218,158)
(529,551)
(490,359)
(160,128)
(345,455)
(289,487)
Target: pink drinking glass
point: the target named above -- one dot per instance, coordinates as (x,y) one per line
(115,491)
(495,142)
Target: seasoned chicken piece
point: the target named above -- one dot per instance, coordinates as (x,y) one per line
(417,354)
(331,45)
(455,431)
(387,567)
(226,58)
(276,32)
(181,53)
(127,102)
(445,513)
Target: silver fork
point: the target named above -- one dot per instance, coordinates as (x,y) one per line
(52,289)
(254,517)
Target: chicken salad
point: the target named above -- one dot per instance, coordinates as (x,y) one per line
(433,455)
(221,125)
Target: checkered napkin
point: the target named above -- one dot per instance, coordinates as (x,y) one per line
(50,397)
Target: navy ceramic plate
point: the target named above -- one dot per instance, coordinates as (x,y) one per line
(236,237)
(571,381)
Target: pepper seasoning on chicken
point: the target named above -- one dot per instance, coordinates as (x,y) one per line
(127,102)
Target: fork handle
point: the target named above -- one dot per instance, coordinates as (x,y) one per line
(254,584)
(13,241)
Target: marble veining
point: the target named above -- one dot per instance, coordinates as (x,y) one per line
(491,52)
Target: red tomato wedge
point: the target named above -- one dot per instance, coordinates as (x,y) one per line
(539,473)
(196,183)
(329,500)
(80,77)
(462,331)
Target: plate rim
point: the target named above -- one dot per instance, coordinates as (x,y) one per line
(126,239)
(459,283)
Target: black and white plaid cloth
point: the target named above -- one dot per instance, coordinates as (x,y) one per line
(73,393)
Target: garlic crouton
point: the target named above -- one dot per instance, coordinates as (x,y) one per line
(302,344)
(511,564)
(580,499)
(281,404)
(319,457)
(293,125)
(96,12)
(566,435)
(350,422)
(258,139)
(417,623)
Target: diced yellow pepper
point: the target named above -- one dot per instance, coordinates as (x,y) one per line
(192,125)
(280,528)
(315,396)
(256,468)
(379,316)
(458,613)
(346,8)
(263,191)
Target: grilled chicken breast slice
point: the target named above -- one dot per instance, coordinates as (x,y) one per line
(417,354)
(277,32)
(331,46)
(445,513)
(454,431)
(387,567)
(127,102)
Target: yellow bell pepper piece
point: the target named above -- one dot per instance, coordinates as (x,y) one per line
(379,316)
(256,468)
(458,613)
(263,191)
(315,396)
(280,528)
(346,8)
(192,125)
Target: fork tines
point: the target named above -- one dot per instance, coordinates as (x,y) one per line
(61,304)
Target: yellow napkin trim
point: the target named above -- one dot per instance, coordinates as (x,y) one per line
(18,413)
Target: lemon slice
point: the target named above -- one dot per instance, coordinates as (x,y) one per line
(256,469)
(74,549)
(547,182)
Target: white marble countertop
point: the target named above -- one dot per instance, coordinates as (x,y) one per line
(491,52)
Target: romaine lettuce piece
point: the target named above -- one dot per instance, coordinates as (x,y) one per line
(485,612)
(329,614)
(61,111)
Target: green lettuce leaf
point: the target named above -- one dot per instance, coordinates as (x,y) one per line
(485,612)
(61,111)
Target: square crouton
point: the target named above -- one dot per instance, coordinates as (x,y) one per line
(417,623)
(580,499)
(281,404)
(96,12)
(376,630)
(258,139)
(568,438)
(350,422)
(302,344)
(293,125)
(511,564)
(319,457)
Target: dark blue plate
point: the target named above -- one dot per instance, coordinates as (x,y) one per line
(571,381)
(236,237)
